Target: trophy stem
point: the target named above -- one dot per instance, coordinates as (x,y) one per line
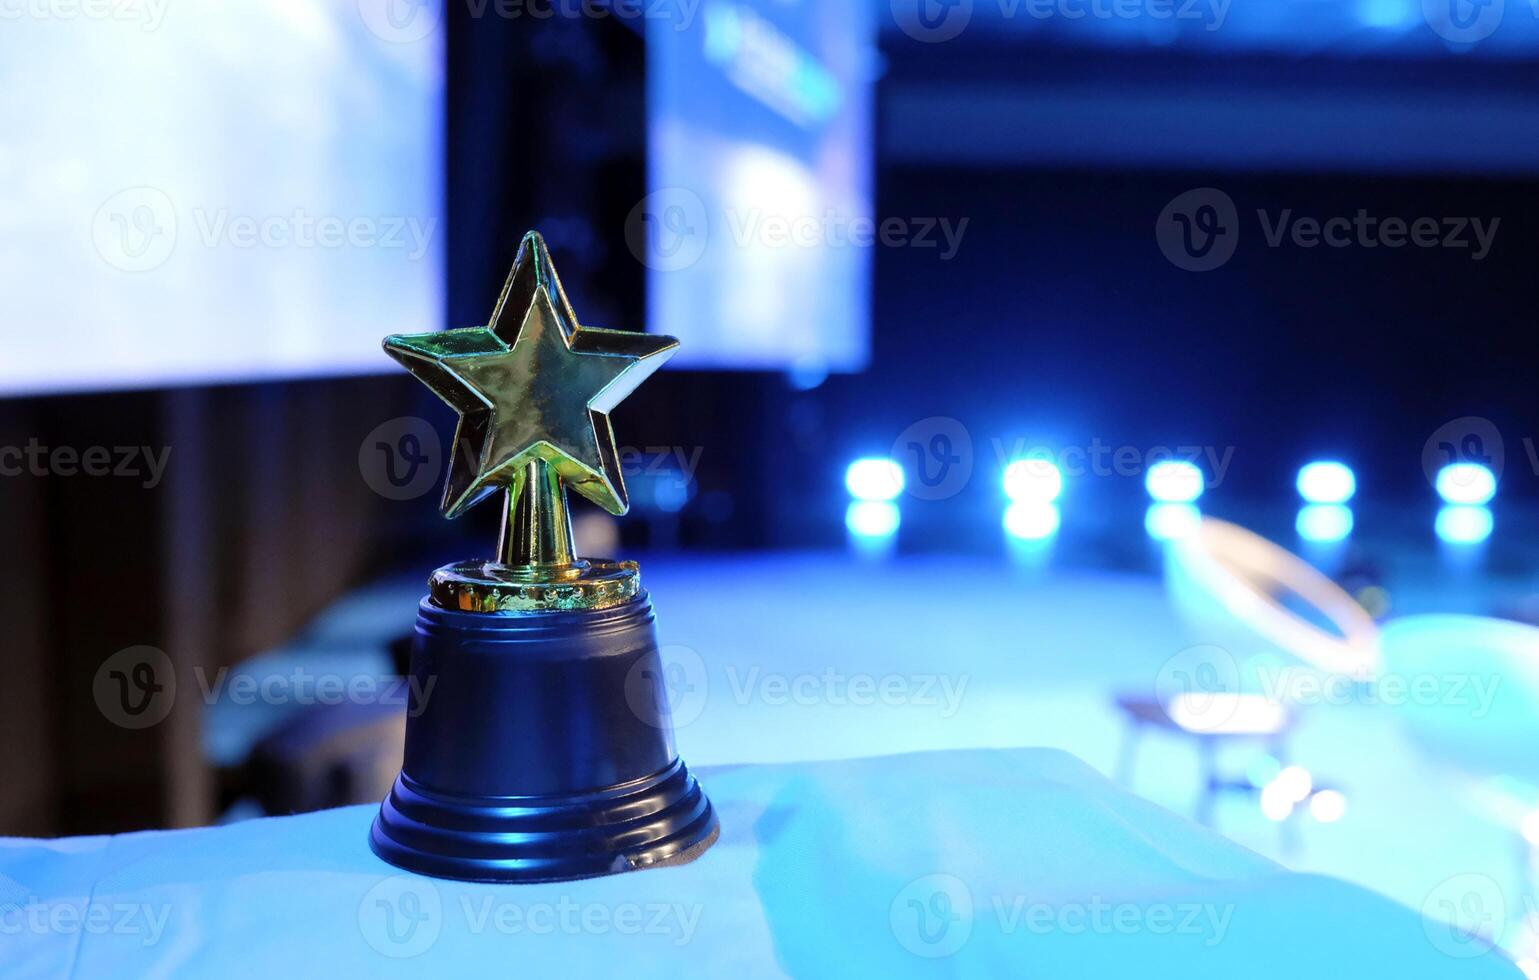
(538,530)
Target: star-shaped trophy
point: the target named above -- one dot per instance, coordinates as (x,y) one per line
(540,746)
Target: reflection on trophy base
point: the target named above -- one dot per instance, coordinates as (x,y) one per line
(489,587)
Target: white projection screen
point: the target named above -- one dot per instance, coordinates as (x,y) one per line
(198,191)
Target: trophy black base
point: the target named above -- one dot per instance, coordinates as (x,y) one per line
(539,748)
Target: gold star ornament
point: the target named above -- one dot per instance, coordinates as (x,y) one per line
(533,390)
(534,385)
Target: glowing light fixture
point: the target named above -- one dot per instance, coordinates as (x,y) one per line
(1291,787)
(1229,714)
(1327,806)
(1466,483)
(1033,479)
(874,478)
(1032,521)
(1325,523)
(1464,524)
(1171,522)
(1174,481)
(1295,783)
(1275,803)
(1327,483)
(872,519)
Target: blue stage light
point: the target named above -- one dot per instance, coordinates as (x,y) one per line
(1328,806)
(1325,523)
(874,478)
(1171,522)
(1033,480)
(1327,483)
(872,519)
(1174,481)
(1466,483)
(1032,520)
(1464,524)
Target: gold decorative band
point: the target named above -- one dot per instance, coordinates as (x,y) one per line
(489,587)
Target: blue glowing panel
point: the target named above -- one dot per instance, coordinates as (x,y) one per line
(202,191)
(758,231)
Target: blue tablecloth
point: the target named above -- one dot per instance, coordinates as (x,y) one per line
(1021,863)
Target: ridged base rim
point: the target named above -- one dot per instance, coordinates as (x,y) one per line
(659,821)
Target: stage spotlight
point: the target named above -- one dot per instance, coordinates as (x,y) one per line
(1466,483)
(1032,520)
(1291,787)
(872,519)
(1328,806)
(1171,522)
(874,478)
(1324,523)
(1174,481)
(1216,713)
(1327,483)
(1033,480)
(1275,803)
(1295,783)
(1464,524)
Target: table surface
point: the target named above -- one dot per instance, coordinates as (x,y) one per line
(984,862)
